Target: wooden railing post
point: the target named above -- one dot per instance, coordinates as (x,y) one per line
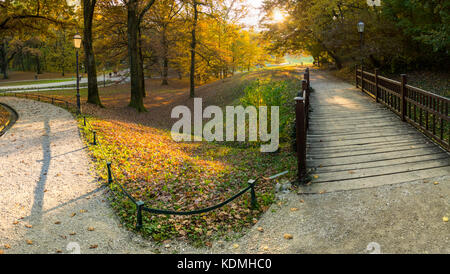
(300,125)
(362,78)
(376,85)
(403,97)
(307,78)
(356,76)
(305,91)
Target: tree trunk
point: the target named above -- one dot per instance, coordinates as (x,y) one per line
(141,64)
(38,65)
(3,60)
(193,45)
(88,13)
(136,100)
(165,45)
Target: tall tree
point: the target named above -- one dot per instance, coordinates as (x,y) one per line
(193,46)
(136,10)
(88,15)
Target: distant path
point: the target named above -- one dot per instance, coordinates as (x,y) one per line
(354,142)
(37,86)
(45,179)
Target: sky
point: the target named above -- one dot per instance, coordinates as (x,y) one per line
(253,17)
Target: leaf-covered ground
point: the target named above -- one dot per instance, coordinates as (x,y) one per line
(182,176)
(4,117)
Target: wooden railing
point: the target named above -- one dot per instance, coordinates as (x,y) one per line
(301,125)
(424,110)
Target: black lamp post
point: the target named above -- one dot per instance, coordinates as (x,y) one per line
(77,44)
(360,26)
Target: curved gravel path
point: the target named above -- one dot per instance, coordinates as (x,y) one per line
(48,197)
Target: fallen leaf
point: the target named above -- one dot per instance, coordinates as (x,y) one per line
(235,246)
(57,222)
(7,246)
(73,214)
(302,201)
(93,246)
(265,248)
(351,172)
(294,209)
(28,226)
(72,233)
(322,191)
(91,228)
(1,252)
(445,219)
(208,244)
(29,242)
(316,176)
(260,229)
(15,222)
(436,183)
(58,251)
(288,236)
(83,211)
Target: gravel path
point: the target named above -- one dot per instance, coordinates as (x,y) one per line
(47,194)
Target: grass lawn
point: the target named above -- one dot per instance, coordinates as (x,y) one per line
(21,83)
(182,176)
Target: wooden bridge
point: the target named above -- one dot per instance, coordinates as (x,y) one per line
(354,142)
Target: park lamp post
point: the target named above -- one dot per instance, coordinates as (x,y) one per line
(360,26)
(77,44)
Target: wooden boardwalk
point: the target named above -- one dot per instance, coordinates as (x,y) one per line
(356,143)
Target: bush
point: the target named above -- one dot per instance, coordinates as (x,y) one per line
(274,93)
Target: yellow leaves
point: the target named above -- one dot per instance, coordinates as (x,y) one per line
(28,226)
(83,211)
(316,176)
(235,246)
(57,223)
(445,219)
(73,214)
(29,242)
(15,222)
(302,201)
(91,228)
(7,246)
(265,248)
(322,191)
(93,246)
(72,233)
(2,252)
(288,236)
(294,209)
(436,183)
(260,229)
